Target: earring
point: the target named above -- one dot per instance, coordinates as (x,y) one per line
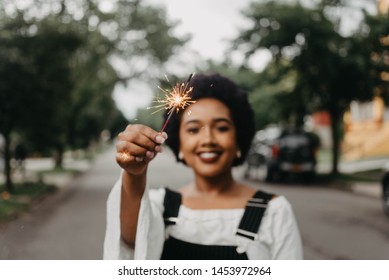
(180,156)
(238,153)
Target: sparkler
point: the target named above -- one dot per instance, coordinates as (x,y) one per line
(175,99)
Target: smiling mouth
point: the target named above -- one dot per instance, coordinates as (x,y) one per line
(209,157)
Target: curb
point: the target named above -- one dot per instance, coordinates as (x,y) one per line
(367,189)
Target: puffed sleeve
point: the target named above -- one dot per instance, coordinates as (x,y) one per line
(286,235)
(150,234)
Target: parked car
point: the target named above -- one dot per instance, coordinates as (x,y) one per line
(385,190)
(260,151)
(283,154)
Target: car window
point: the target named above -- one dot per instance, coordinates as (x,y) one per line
(294,141)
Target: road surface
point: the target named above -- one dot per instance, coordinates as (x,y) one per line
(70,225)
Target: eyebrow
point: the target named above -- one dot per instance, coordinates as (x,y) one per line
(215,120)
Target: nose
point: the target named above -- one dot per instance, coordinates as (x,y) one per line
(208,137)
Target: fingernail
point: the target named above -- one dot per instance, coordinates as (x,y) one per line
(149,154)
(139,159)
(164,135)
(160,139)
(158,149)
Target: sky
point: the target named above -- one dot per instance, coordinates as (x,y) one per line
(210,22)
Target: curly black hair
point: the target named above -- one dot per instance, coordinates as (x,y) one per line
(226,91)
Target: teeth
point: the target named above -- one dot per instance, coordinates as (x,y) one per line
(208,155)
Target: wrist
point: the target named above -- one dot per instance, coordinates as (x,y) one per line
(133,185)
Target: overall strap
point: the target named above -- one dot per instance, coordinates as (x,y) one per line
(252,216)
(171,203)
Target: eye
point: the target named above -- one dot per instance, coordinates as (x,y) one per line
(223,128)
(192,130)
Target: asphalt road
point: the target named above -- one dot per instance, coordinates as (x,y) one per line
(70,225)
(336,224)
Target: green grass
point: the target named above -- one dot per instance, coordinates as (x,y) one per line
(324,155)
(10,209)
(346,180)
(373,176)
(12,205)
(369,176)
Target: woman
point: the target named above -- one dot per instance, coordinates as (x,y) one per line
(214,217)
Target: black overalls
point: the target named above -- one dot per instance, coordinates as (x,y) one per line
(175,249)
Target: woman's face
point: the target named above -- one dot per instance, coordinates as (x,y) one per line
(208,137)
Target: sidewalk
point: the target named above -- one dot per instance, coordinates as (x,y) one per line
(367,189)
(33,166)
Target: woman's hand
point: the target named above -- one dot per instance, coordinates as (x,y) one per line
(137,145)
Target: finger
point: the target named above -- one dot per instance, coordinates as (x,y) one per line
(155,136)
(130,148)
(136,152)
(142,144)
(142,129)
(142,138)
(124,158)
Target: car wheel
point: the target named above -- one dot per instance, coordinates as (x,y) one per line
(283,176)
(308,177)
(271,174)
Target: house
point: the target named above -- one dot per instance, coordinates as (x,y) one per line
(366,130)
(366,125)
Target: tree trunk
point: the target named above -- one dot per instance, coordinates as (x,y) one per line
(58,158)
(335,119)
(7,163)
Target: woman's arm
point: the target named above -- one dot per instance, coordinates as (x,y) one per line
(149,229)
(287,239)
(136,147)
(132,191)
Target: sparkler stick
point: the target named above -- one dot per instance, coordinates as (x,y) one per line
(167,120)
(175,99)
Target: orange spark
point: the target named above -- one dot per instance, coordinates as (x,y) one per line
(177,98)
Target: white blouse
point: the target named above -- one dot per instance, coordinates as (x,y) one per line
(278,234)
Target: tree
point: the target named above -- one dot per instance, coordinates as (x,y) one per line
(62,55)
(49,51)
(330,69)
(377,42)
(133,33)
(32,81)
(265,90)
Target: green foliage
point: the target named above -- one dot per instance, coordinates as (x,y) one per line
(148,117)
(377,48)
(325,70)
(268,89)
(35,80)
(118,124)
(58,70)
